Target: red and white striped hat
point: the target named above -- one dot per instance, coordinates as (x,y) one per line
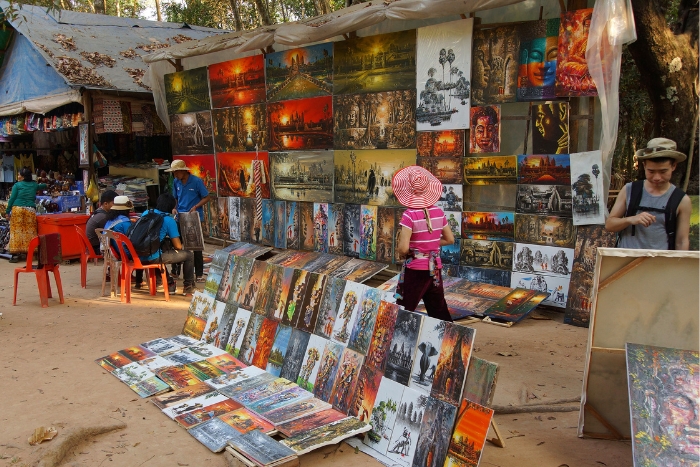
(415,187)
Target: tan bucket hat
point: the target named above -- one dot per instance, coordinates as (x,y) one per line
(177,165)
(122,203)
(660,147)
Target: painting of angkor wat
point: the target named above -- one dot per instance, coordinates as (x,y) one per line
(299,73)
(240,128)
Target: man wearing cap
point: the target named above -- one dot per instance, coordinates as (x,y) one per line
(191,194)
(99,218)
(653,213)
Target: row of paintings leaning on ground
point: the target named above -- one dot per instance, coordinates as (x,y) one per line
(365,365)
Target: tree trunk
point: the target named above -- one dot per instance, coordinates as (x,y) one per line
(118,5)
(159,15)
(263,14)
(656,53)
(236,15)
(101,7)
(325,6)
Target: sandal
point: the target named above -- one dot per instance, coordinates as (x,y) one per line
(201,280)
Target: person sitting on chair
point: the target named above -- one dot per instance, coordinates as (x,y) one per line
(99,218)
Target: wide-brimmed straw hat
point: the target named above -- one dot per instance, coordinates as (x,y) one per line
(415,187)
(177,165)
(122,203)
(660,147)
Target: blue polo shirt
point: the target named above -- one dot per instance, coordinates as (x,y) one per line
(167,229)
(189,194)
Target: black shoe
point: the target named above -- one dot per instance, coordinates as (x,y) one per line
(138,285)
(171,288)
(189,290)
(14,259)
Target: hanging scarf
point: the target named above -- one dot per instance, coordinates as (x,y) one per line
(435,272)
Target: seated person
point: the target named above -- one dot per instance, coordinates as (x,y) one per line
(118,216)
(99,218)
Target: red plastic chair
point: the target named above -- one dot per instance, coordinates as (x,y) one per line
(128,266)
(42,276)
(87,252)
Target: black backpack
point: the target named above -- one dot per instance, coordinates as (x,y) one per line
(145,234)
(669,213)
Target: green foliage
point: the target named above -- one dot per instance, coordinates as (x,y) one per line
(205,13)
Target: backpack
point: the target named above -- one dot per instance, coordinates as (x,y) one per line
(145,234)
(670,214)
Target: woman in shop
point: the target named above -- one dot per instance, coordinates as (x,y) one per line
(22,211)
(424,229)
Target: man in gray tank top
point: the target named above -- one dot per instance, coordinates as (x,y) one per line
(654,199)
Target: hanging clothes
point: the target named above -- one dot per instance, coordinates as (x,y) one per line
(8,168)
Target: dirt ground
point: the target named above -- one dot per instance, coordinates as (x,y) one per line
(48,378)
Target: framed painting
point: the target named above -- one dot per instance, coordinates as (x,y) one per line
(300,124)
(299,73)
(237,82)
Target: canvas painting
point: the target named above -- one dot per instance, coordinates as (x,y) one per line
(214,434)
(446,143)
(333,433)
(467,441)
(347,312)
(177,377)
(280,208)
(211,329)
(132,373)
(487,253)
(450,270)
(573,77)
(444,97)
(204,350)
(351,230)
(461,306)
(268,222)
(200,307)
(384,415)
(137,353)
(265,341)
(556,286)
(160,346)
(358,270)
(490,170)
(234,218)
(485,133)
(435,434)
(233,390)
(182,340)
(264,449)
(451,198)
(243,421)
(552,200)
(223,220)
(178,395)
(297,288)
(335,228)
(383,120)
(238,129)
(480,384)
(497,226)
(280,295)
(494,65)
(300,124)
(544,169)
(328,310)
(543,259)
(320,222)
(328,367)
(452,363)
(363,326)
(365,393)
(248,293)
(663,392)
(507,308)
(345,380)
(204,167)
(332,263)
(587,185)
(279,400)
(226,325)
(538,59)
(409,416)
(195,417)
(383,62)
(551,128)
(447,169)
(247,219)
(191,133)
(250,339)
(292,225)
(309,422)
(240,278)
(294,354)
(402,350)
(545,230)
(149,387)
(368,232)
(226,363)
(236,177)
(385,234)
(237,82)
(306,226)
(257,393)
(312,302)
(449,254)
(311,362)
(299,73)
(426,358)
(302,175)
(364,176)
(209,224)
(296,410)
(187,91)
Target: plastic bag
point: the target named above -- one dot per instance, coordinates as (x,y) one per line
(93,193)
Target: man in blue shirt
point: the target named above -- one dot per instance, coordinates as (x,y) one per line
(191,195)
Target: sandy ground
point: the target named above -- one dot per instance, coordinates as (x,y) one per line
(48,378)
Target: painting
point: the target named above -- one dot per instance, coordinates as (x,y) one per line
(451,198)
(468,439)
(239,129)
(306,226)
(507,308)
(234,218)
(447,169)
(268,222)
(233,390)
(556,286)
(446,143)
(331,263)
(226,363)
(385,235)
(160,346)
(214,434)
(363,326)
(300,124)
(368,232)
(302,176)
(487,253)
(191,133)
(279,400)
(292,225)
(403,345)
(243,421)
(488,225)
(332,433)
(351,230)
(83,129)
(320,222)
(250,339)
(494,65)
(212,332)
(359,270)
(295,297)
(296,410)
(248,293)
(494,292)
(490,170)
(573,77)
(449,254)
(257,393)
(299,73)
(328,310)
(485,133)
(347,312)
(224,229)
(538,59)
(444,98)
(543,259)
(237,82)
(236,177)
(328,367)
(551,122)
(182,394)
(384,414)
(312,302)
(335,228)
(203,167)
(435,434)
(480,384)
(588,205)
(265,341)
(544,169)
(383,62)
(240,278)
(187,91)
(409,416)
(365,393)
(382,120)
(247,219)
(311,362)
(294,356)
(425,363)
(195,417)
(545,230)
(197,315)
(663,392)
(589,238)
(452,363)
(309,422)
(461,305)
(345,380)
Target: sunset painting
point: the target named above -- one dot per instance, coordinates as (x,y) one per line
(237,82)
(301,124)
(235,174)
(468,439)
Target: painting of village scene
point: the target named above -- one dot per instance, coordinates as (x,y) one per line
(544,169)
(204,167)
(375,121)
(187,91)
(302,176)
(469,436)
(447,143)
(237,82)
(495,65)
(240,128)
(447,169)
(301,124)
(384,62)
(545,230)
(364,176)
(236,174)
(192,133)
(490,170)
(299,73)
(488,225)
(544,199)
(573,77)
(488,253)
